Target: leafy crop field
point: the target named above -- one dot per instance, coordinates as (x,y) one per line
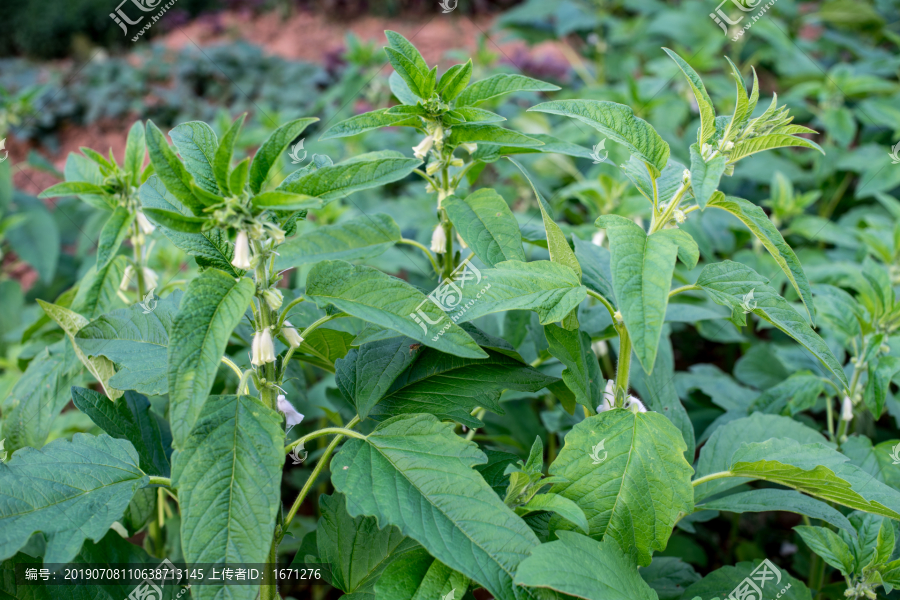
(603,307)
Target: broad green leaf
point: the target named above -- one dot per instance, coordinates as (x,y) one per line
(367,122)
(176,221)
(617,122)
(669,576)
(741,103)
(135,151)
(596,273)
(721,582)
(210,309)
(128,419)
(35,222)
(359,238)
(366,374)
(721,387)
(667,184)
(403,46)
(770,142)
(197,144)
(705,176)
(113,234)
(582,373)
(270,151)
(340,180)
(378,298)
(641,483)
(876,460)
(419,576)
(237,180)
(210,248)
(729,283)
(829,546)
(818,470)
(487,133)
(454,81)
(470,114)
(39,396)
(324,346)
(170,170)
(136,340)
(401,90)
(559,505)
(551,145)
(769,499)
(550,289)
(704,103)
(487,225)
(715,456)
(457,517)
(224,152)
(71,322)
(81,168)
(580,567)
(72,188)
(417,79)
(70,491)
(878,385)
(228,475)
(642,269)
(281,200)
(765,231)
(500,85)
(357,550)
(688,250)
(798,392)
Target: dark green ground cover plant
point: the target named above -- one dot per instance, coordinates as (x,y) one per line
(423,505)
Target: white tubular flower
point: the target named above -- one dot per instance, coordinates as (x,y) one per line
(126,277)
(609,397)
(273,297)
(421,150)
(150,278)
(456,162)
(433,167)
(847,409)
(144,224)
(599,237)
(635,405)
(263,348)
(469,147)
(600,348)
(439,240)
(241,258)
(292,336)
(290,413)
(438,134)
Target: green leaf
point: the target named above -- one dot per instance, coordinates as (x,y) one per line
(367,122)
(224,153)
(363,237)
(197,144)
(799,392)
(669,576)
(135,151)
(170,170)
(596,273)
(667,184)
(80,168)
(281,200)
(728,284)
(500,85)
(454,81)
(769,499)
(128,419)
(741,103)
(417,79)
(136,340)
(617,122)
(271,149)
(876,460)
(551,145)
(705,176)
(420,577)
(550,289)
(635,494)
(70,491)
(211,308)
(580,567)
(765,231)
(113,234)
(378,298)
(97,289)
(582,373)
(324,346)
(487,133)
(70,322)
(770,142)
(391,475)
(487,225)
(361,173)
(228,475)
(829,546)
(35,223)
(715,456)
(642,268)
(554,503)
(176,221)
(878,385)
(704,103)
(72,188)
(401,90)
(357,550)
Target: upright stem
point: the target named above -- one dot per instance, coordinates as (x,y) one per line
(265,317)
(136,242)
(623,366)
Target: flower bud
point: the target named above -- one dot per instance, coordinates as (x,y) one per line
(847,409)
(680,217)
(600,348)
(609,397)
(294,339)
(456,162)
(421,150)
(433,167)
(598,238)
(241,258)
(263,348)
(273,298)
(144,224)
(290,413)
(439,240)
(686,177)
(469,147)
(150,278)
(127,276)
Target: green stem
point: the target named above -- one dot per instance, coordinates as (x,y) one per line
(264,319)
(605,302)
(623,365)
(830,410)
(321,321)
(138,259)
(711,476)
(154,480)
(660,222)
(342,431)
(287,309)
(233,367)
(684,288)
(478,415)
(427,252)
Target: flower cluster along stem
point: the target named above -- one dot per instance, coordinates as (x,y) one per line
(264,319)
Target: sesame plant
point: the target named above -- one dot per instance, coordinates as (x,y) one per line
(189,386)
